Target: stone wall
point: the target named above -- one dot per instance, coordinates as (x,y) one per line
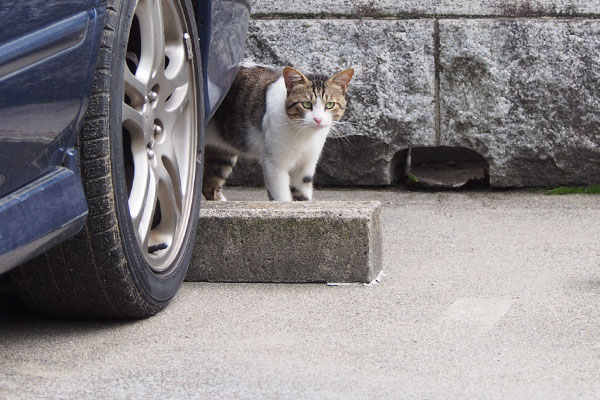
(515,81)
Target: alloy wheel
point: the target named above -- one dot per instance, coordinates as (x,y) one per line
(158,125)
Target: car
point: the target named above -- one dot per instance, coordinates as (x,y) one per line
(102,116)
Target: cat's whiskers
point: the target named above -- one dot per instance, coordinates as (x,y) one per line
(299,132)
(335,127)
(339,129)
(290,125)
(346,123)
(338,135)
(292,122)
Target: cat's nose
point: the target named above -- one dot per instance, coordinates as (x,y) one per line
(318,120)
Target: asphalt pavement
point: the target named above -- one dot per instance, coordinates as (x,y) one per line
(487,295)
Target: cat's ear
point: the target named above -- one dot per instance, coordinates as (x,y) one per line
(342,79)
(292,77)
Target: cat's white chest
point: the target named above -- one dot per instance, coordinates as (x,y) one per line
(288,142)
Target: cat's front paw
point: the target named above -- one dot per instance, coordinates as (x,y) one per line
(298,195)
(220,196)
(214,195)
(285,196)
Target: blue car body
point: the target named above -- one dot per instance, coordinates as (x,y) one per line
(48,54)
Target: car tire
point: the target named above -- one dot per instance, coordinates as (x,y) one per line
(140,150)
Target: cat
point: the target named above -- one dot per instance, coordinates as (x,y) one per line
(280,117)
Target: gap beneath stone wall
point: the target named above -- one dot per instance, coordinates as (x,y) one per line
(440,168)
(429,168)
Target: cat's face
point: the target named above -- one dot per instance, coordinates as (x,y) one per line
(316,100)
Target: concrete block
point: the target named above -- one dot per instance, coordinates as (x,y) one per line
(523,93)
(296,242)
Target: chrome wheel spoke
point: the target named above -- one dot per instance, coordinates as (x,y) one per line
(158,37)
(170,201)
(142,203)
(177,74)
(133,120)
(170,172)
(174,108)
(135,89)
(150,17)
(181,132)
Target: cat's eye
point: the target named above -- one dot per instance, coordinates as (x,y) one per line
(307,105)
(329,105)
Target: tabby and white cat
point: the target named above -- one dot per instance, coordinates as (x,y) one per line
(279,117)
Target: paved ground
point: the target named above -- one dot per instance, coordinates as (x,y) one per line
(487,295)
